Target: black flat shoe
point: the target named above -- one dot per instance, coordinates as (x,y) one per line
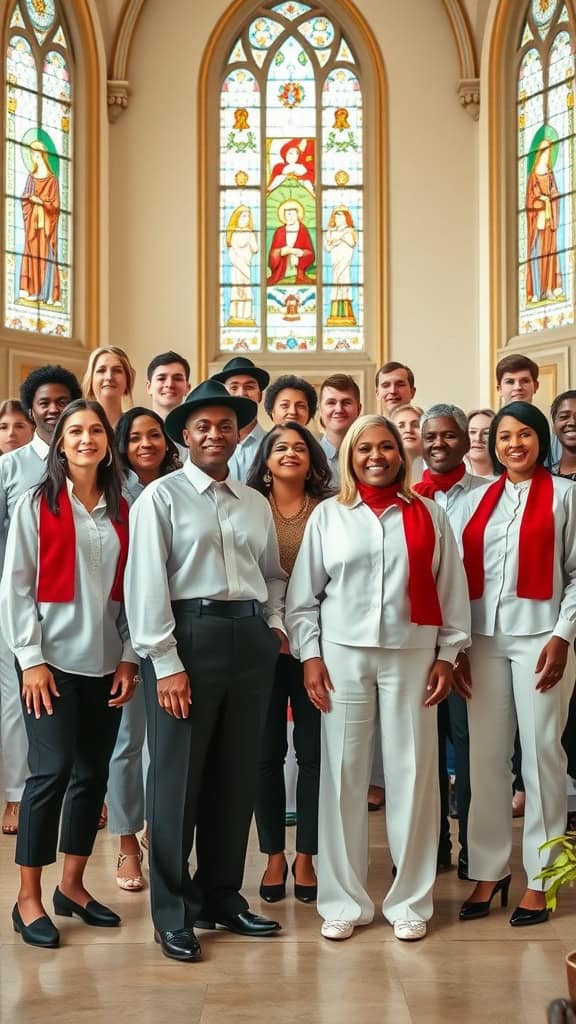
(93,913)
(245,923)
(522,917)
(40,932)
(470,911)
(274,893)
(304,893)
(179,945)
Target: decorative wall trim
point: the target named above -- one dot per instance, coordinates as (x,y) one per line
(468,88)
(118,82)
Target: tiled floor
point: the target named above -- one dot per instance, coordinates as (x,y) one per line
(471,972)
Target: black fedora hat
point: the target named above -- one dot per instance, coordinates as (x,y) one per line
(242,365)
(209,392)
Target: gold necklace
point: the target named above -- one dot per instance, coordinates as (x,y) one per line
(302,511)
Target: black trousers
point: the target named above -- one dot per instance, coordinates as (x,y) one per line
(271,793)
(202,777)
(68,755)
(453,724)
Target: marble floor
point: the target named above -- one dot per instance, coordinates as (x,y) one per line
(462,973)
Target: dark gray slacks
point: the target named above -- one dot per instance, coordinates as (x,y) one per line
(68,755)
(453,724)
(203,769)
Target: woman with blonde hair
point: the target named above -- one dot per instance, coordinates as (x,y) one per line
(377,612)
(109,379)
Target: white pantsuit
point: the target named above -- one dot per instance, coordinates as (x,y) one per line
(395,680)
(505,694)
(13,739)
(348,602)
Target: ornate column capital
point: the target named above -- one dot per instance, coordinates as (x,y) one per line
(469,96)
(118,95)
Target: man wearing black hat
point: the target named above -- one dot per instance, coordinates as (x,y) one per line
(204,599)
(243,379)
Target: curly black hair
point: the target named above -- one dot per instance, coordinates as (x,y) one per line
(48,375)
(289,380)
(317,485)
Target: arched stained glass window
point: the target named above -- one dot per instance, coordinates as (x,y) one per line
(38,171)
(546,172)
(291,187)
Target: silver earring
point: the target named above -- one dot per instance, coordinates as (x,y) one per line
(109,459)
(267,478)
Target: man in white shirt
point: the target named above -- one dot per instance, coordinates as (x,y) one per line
(243,379)
(445,442)
(204,599)
(44,394)
(339,406)
(168,383)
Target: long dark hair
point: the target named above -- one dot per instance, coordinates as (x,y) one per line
(109,474)
(318,484)
(531,416)
(171,459)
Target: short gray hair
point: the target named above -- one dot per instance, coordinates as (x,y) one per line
(453,412)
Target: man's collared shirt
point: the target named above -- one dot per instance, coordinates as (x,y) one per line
(19,471)
(331,453)
(241,462)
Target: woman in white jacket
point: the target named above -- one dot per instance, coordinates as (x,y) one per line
(378,611)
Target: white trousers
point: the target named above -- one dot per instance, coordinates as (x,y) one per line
(395,681)
(13,740)
(503,694)
(128,769)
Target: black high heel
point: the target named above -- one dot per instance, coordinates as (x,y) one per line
(304,893)
(521,916)
(274,893)
(470,911)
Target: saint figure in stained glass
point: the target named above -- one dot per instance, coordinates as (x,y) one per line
(242,246)
(292,250)
(297,163)
(340,243)
(39,273)
(543,276)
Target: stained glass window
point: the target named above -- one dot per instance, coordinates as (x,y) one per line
(291,187)
(37,276)
(546,185)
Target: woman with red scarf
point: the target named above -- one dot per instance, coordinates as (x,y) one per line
(377,611)
(520,559)
(61,612)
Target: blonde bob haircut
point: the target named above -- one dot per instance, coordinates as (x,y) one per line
(130,372)
(348,489)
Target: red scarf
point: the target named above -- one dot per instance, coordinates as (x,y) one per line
(420,541)
(57,551)
(536,541)
(432,482)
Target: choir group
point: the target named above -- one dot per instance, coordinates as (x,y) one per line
(177,580)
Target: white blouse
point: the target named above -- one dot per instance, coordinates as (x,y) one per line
(350,584)
(455,503)
(500,610)
(87,636)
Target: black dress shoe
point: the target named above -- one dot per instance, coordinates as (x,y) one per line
(471,911)
(179,945)
(274,893)
(93,913)
(245,923)
(40,932)
(304,893)
(521,917)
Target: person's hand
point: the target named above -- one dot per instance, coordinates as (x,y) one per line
(463,676)
(38,688)
(174,695)
(317,683)
(284,645)
(124,683)
(551,663)
(440,682)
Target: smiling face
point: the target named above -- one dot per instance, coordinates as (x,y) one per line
(84,442)
(242,385)
(376,459)
(146,447)
(289,458)
(109,378)
(517,448)
(168,387)
(517,386)
(290,404)
(408,423)
(211,435)
(394,389)
(338,409)
(15,430)
(444,444)
(49,401)
(565,424)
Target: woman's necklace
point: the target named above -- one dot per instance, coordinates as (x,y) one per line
(300,514)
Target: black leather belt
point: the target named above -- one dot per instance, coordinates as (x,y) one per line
(220,609)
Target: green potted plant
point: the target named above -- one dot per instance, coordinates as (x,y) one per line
(562,871)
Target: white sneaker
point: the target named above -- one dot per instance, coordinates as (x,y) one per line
(410,931)
(337,929)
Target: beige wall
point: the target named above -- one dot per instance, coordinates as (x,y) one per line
(153,170)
